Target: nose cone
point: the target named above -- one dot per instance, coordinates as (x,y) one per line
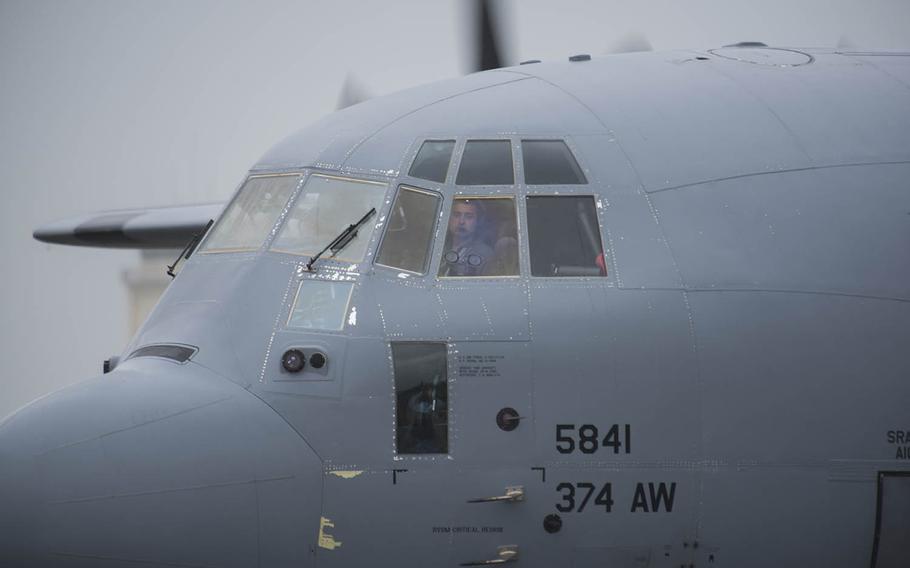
(155,464)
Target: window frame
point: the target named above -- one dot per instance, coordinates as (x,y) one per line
(447,209)
(279,220)
(550,192)
(296,197)
(431,246)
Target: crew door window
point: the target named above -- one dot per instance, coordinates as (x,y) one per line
(421,397)
(481,238)
(409,234)
(564,237)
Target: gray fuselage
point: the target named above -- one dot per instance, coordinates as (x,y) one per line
(727,395)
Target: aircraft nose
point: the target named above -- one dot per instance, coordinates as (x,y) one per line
(155,464)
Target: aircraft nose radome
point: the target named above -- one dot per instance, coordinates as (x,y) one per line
(158,464)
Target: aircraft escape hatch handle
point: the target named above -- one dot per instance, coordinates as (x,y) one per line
(516,493)
(505,554)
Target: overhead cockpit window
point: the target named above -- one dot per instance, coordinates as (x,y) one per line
(250,216)
(409,232)
(486,162)
(564,237)
(422,398)
(550,162)
(320,304)
(481,238)
(432,161)
(326,207)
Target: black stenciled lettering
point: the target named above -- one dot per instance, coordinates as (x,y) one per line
(662,495)
(587,438)
(590,488)
(639,501)
(568,498)
(891,437)
(605,497)
(564,444)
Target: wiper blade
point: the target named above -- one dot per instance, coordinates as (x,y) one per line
(189,248)
(341,240)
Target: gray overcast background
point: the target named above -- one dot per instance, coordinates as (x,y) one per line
(125,104)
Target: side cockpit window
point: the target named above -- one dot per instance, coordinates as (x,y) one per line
(550,162)
(486,162)
(409,232)
(481,238)
(564,237)
(327,205)
(432,161)
(247,221)
(421,398)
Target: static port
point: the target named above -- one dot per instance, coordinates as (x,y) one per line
(293,360)
(318,360)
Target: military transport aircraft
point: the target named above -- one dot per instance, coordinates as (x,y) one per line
(639,310)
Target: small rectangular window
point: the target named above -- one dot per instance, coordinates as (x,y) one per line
(247,221)
(432,161)
(486,162)
(482,238)
(422,398)
(550,162)
(320,304)
(564,237)
(409,233)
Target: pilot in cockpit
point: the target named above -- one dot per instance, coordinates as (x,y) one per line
(466,253)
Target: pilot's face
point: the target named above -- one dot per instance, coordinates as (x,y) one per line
(463,221)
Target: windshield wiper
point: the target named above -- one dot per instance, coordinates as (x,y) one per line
(189,248)
(341,240)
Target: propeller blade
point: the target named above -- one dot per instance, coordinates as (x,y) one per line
(488,54)
(352,92)
(631,43)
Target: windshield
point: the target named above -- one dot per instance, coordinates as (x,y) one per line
(326,206)
(249,218)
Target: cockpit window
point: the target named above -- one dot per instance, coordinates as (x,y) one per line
(482,238)
(421,397)
(409,232)
(486,162)
(564,237)
(250,216)
(432,161)
(326,207)
(550,162)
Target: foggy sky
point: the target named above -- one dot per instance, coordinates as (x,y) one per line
(123,104)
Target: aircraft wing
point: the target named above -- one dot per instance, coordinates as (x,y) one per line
(149,228)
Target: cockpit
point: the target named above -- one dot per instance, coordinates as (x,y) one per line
(498,210)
